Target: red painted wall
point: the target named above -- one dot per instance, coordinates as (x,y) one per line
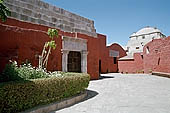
(158,58)
(22,40)
(132,65)
(93,55)
(111,67)
(21,44)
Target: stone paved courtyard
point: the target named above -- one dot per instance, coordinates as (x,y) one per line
(117,93)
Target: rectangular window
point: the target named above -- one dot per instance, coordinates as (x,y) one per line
(143,37)
(113,53)
(115,60)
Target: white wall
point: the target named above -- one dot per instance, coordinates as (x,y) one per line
(140,41)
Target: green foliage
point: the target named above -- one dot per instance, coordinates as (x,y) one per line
(43,58)
(4,11)
(13,72)
(10,73)
(51,44)
(28,72)
(52,33)
(21,95)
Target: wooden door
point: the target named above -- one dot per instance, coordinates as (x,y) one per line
(74,61)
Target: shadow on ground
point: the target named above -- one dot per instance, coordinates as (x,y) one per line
(90,94)
(105,77)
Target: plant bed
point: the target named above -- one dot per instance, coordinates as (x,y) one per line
(16,96)
(59,104)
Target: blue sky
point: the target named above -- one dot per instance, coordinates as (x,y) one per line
(118,19)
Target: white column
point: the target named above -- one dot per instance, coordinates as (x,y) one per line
(64,60)
(84,61)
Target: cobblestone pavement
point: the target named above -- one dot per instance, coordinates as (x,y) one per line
(126,93)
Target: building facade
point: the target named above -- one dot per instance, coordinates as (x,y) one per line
(152,56)
(79,47)
(140,38)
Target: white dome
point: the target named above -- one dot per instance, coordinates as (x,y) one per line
(146,30)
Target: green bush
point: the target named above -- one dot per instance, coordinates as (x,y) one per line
(10,73)
(13,72)
(28,72)
(18,96)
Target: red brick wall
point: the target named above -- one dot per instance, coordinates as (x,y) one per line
(158,58)
(131,66)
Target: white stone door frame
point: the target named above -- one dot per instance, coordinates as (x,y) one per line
(74,44)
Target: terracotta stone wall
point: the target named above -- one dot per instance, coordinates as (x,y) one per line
(22,40)
(158,56)
(93,55)
(23,44)
(131,65)
(111,67)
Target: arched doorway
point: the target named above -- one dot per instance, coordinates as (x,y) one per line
(74,61)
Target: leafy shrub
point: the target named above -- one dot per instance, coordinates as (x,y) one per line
(17,96)
(10,73)
(13,72)
(29,72)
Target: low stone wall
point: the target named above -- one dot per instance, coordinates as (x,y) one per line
(39,12)
(57,105)
(134,65)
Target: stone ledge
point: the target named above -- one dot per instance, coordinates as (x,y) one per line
(57,105)
(162,74)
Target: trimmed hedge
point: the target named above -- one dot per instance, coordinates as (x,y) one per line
(18,96)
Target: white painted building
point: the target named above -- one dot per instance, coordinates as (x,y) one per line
(141,38)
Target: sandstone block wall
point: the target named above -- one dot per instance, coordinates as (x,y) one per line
(39,12)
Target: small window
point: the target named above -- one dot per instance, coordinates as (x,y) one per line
(115,60)
(128,48)
(142,56)
(143,37)
(158,61)
(137,47)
